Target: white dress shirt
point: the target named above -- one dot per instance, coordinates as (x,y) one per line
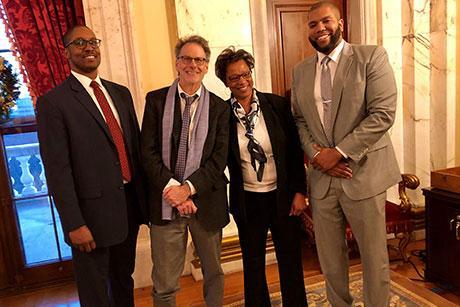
(86,81)
(333,63)
(268,182)
(172,181)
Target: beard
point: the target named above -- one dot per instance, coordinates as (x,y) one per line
(333,42)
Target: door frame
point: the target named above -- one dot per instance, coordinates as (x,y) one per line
(274,10)
(16,276)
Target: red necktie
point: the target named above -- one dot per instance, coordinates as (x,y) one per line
(115,130)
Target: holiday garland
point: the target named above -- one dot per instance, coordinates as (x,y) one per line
(9,87)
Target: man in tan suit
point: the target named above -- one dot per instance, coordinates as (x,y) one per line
(344,102)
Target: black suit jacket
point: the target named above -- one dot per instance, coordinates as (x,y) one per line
(81,160)
(209,180)
(287,153)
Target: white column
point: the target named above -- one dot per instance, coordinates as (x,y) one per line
(442,111)
(111,21)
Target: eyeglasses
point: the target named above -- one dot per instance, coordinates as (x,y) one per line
(235,78)
(82,43)
(188,60)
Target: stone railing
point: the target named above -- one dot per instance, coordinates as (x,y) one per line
(26,170)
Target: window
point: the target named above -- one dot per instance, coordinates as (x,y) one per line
(39,227)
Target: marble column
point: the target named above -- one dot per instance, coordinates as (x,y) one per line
(443,80)
(419,36)
(111,22)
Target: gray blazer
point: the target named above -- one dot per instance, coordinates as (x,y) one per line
(364,105)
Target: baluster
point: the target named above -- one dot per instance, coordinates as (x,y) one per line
(36,169)
(16,172)
(27,179)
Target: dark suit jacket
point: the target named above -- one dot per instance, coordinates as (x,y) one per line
(81,160)
(286,150)
(209,180)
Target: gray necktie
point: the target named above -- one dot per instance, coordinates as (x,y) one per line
(181,161)
(326,95)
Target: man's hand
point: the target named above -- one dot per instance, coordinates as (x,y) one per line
(326,159)
(298,204)
(187,207)
(176,195)
(82,239)
(341,170)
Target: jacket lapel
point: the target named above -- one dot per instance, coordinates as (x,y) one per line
(346,59)
(87,102)
(271,122)
(233,143)
(307,82)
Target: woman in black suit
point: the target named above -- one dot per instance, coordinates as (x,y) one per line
(267,181)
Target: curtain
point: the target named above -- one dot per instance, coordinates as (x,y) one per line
(37,27)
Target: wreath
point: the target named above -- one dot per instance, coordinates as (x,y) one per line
(9,88)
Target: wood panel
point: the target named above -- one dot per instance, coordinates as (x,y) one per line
(288,37)
(6,272)
(442,238)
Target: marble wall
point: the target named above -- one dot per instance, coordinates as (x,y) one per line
(225,24)
(420,38)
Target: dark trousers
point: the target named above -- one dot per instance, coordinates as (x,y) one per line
(103,276)
(261,216)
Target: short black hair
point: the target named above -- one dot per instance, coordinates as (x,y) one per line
(228,56)
(193,39)
(68,33)
(330,4)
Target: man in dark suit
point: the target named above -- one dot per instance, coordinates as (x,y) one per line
(89,142)
(344,103)
(184,149)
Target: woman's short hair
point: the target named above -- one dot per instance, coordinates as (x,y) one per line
(228,56)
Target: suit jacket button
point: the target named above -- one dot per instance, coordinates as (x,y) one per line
(117,163)
(121,187)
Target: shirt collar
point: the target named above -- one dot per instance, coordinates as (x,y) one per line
(254,97)
(198,92)
(86,81)
(335,54)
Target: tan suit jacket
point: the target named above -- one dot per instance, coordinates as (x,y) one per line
(363,110)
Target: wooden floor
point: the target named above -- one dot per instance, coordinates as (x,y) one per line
(191,295)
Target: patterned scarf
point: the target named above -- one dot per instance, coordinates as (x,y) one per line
(249,121)
(197,139)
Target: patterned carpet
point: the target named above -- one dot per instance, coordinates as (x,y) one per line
(401,296)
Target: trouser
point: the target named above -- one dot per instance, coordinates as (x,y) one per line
(168,244)
(104,276)
(260,217)
(367,220)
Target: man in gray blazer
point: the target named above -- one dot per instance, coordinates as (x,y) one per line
(184,144)
(343,106)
